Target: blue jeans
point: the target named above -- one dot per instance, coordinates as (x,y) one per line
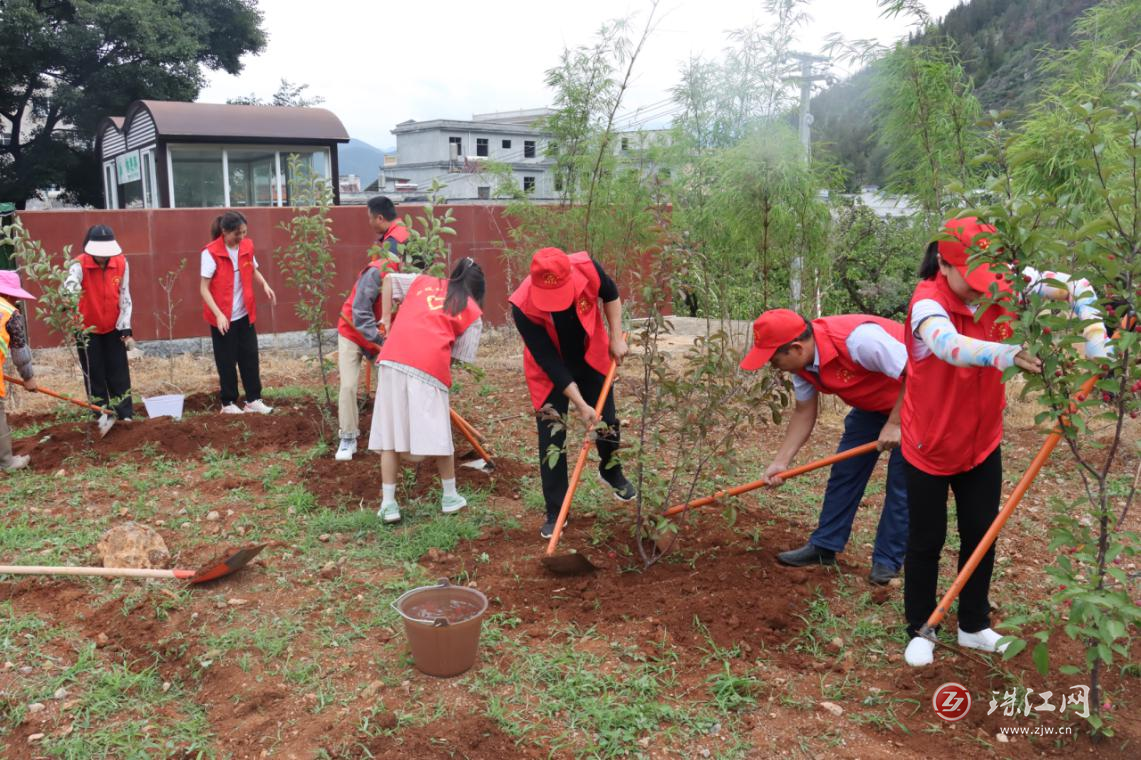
(845,489)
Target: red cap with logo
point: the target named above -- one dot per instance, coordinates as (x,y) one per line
(968,233)
(772,330)
(552,288)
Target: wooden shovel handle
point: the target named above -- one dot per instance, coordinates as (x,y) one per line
(61,397)
(565,508)
(866,448)
(105,572)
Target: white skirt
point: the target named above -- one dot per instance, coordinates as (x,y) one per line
(410,416)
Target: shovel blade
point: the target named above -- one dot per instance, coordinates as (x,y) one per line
(571,563)
(105,423)
(479,464)
(226,565)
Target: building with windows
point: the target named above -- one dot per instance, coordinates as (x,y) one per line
(168,154)
(458,155)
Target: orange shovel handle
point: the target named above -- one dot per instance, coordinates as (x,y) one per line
(565,508)
(866,448)
(62,397)
(469,433)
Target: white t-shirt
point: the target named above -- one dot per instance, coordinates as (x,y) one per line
(871,347)
(209,267)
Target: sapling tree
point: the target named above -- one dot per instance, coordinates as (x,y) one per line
(167,284)
(309,263)
(427,249)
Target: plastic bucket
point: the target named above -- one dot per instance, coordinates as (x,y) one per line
(442,623)
(164,406)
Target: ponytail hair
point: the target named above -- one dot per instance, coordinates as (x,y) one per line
(466,281)
(227,222)
(929,267)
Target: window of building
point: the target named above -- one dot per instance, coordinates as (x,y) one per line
(197,177)
(253,177)
(507,145)
(481,146)
(528,184)
(455,147)
(625,144)
(558,183)
(212,176)
(483,192)
(529,149)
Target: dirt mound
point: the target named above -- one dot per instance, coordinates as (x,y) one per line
(289,425)
(460,737)
(336,482)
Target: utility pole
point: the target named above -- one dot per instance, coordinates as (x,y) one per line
(806,78)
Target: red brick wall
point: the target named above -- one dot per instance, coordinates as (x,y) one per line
(155,240)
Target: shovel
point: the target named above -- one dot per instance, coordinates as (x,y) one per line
(211,571)
(573,563)
(484,463)
(106,421)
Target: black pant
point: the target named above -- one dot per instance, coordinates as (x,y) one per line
(977,493)
(239,346)
(554,478)
(106,372)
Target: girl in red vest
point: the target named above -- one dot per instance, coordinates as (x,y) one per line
(558,310)
(952,422)
(101,275)
(229,271)
(440,322)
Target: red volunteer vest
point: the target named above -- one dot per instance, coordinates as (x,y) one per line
(586,281)
(424,335)
(952,416)
(841,375)
(345,322)
(99,300)
(222,284)
(396,231)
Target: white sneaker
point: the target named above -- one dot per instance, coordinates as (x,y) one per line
(920,652)
(452,504)
(389,511)
(17,462)
(258,407)
(985,640)
(231,409)
(346,450)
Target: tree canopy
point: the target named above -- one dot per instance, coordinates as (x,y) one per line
(65,65)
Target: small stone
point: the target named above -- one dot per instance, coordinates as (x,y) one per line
(165,686)
(60,693)
(330,571)
(213,516)
(133,545)
(229,513)
(372,690)
(323,538)
(102,640)
(182,511)
(235,602)
(1001,738)
(60,472)
(703,752)
(644,742)
(831,707)
(407,686)
(835,645)
(124,512)
(33,738)
(35,707)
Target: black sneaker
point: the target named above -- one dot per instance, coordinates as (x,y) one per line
(548,528)
(614,479)
(807,555)
(881,575)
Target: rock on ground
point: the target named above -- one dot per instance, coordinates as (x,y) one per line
(133,545)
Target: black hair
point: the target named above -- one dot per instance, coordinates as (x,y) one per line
(466,281)
(802,337)
(380,205)
(227,222)
(102,231)
(929,267)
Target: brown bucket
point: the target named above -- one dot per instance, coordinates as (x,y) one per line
(442,623)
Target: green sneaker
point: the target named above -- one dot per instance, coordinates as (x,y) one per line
(452,504)
(389,511)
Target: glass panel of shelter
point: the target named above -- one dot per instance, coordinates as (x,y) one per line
(253,176)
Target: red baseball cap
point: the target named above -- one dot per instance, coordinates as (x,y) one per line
(772,330)
(969,234)
(552,286)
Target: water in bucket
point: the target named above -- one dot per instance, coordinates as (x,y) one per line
(442,624)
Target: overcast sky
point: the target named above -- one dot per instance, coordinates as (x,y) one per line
(380,63)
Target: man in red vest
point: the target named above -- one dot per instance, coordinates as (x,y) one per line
(102,278)
(558,311)
(861,359)
(358,325)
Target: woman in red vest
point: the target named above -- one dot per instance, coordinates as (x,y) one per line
(440,322)
(102,278)
(558,310)
(229,271)
(952,422)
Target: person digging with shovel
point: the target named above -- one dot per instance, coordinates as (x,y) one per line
(952,419)
(101,276)
(567,353)
(14,344)
(861,359)
(440,322)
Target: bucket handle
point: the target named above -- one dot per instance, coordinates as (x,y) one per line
(439,622)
